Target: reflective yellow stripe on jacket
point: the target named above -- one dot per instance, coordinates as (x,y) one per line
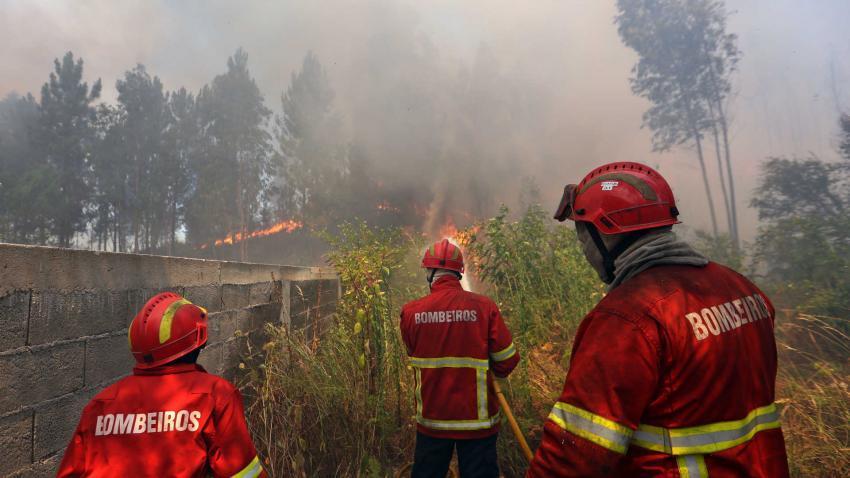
(687,443)
(252,470)
(449,362)
(504,354)
(708,438)
(480,366)
(460,424)
(602,431)
(692,466)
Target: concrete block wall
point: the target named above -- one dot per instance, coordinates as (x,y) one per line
(63,330)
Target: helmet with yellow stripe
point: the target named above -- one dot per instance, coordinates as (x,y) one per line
(167,328)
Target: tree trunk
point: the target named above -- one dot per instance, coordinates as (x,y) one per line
(136,217)
(724,128)
(173,227)
(698,142)
(115,226)
(241,207)
(720,172)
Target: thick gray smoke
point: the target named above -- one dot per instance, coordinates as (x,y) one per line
(459,101)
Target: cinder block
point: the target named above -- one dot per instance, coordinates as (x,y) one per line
(41,268)
(300,320)
(211,358)
(56,315)
(206,296)
(235,296)
(55,423)
(311,293)
(255,318)
(14,313)
(222,326)
(107,358)
(31,377)
(45,468)
(229,363)
(232,352)
(264,293)
(15,441)
(247,273)
(137,298)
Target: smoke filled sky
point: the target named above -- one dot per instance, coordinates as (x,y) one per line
(561,63)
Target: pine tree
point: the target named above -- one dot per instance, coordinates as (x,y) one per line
(65,139)
(110,167)
(844,147)
(146,120)
(233,163)
(313,157)
(25,178)
(685,59)
(182,144)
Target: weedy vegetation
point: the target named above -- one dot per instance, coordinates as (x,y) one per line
(342,405)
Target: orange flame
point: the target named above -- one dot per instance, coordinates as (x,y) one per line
(286,226)
(460,237)
(448,230)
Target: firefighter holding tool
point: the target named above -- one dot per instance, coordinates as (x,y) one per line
(454,338)
(170,417)
(673,372)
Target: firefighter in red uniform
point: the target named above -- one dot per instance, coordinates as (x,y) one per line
(454,338)
(673,372)
(169,418)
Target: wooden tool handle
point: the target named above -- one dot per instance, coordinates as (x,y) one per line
(512,421)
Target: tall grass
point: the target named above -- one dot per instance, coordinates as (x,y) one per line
(341,406)
(813,388)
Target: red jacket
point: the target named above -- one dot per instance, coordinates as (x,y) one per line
(672,374)
(175,421)
(453,338)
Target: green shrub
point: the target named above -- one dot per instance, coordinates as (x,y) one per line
(342,405)
(536,272)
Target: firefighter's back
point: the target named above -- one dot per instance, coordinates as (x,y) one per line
(454,337)
(459,320)
(714,411)
(176,421)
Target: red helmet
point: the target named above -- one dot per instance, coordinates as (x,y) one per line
(167,328)
(443,255)
(620,197)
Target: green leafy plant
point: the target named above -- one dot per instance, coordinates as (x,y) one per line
(536,272)
(340,405)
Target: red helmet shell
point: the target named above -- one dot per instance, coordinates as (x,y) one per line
(167,328)
(443,255)
(620,197)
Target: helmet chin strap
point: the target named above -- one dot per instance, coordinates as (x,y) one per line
(610,256)
(430,277)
